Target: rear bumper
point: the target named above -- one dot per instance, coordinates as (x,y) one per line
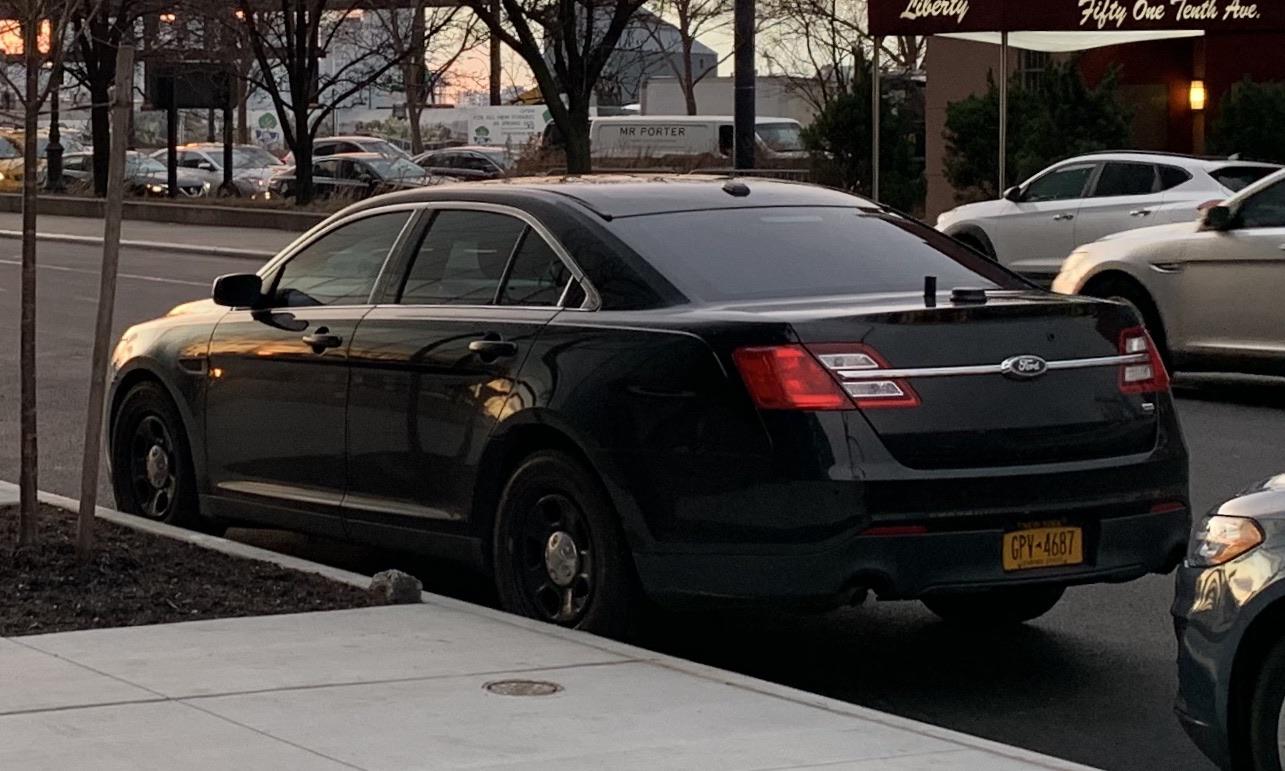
(1117,549)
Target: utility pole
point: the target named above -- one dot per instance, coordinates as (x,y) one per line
(744,134)
(121,108)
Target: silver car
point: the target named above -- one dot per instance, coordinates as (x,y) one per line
(252,167)
(1210,290)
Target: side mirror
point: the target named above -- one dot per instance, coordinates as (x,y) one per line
(1217,218)
(1013,194)
(238,290)
(206,166)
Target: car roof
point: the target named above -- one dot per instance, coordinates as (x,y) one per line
(210,145)
(489,149)
(1156,156)
(350,138)
(362,156)
(628,195)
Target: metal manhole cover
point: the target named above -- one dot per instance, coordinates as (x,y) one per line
(522,687)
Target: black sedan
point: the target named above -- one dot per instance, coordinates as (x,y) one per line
(1229,612)
(689,389)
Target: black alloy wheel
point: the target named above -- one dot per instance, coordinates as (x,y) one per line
(1267,714)
(559,554)
(151,465)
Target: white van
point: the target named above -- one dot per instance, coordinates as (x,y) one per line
(633,137)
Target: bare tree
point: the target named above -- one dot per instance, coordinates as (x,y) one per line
(427,41)
(42,25)
(566,44)
(818,44)
(290,39)
(692,18)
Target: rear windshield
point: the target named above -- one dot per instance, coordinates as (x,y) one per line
(1237,178)
(742,254)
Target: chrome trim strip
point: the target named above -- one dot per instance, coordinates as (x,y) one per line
(986,369)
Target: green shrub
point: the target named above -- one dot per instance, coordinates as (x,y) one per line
(1058,118)
(1249,122)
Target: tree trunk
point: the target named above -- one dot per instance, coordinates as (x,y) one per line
(302,158)
(577,138)
(28,477)
(414,80)
(689,77)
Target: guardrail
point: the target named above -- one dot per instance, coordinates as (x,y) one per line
(174,213)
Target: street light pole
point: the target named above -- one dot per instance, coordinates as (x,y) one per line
(1003,112)
(876,105)
(743,121)
(53,153)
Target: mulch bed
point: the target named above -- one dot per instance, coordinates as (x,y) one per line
(136,578)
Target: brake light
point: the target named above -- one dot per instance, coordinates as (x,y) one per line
(1141,377)
(825,377)
(787,377)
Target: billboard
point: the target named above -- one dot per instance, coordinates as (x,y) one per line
(931,17)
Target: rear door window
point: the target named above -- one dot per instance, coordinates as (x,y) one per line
(461,259)
(1172,176)
(744,254)
(1125,179)
(538,276)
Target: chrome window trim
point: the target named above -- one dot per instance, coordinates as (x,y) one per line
(592,301)
(988,369)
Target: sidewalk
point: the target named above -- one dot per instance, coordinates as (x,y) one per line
(404,687)
(252,243)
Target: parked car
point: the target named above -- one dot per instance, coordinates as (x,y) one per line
(599,387)
(1036,224)
(352,144)
(1210,290)
(469,162)
(1229,611)
(143,175)
(683,138)
(355,176)
(252,166)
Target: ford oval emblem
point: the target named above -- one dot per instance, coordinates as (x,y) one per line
(1024,367)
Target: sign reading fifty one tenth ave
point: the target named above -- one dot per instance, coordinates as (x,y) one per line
(931,17)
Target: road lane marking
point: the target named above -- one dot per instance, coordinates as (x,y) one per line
(133,276)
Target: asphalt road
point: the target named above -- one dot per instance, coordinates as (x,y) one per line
(1093,681)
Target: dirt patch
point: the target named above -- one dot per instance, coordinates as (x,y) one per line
(136,578)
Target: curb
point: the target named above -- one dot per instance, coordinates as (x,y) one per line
(155,246)
(692,669)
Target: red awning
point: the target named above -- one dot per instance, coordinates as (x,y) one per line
(933,17)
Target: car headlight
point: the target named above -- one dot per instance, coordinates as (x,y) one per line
(205,186)
(156,188)
(1220,539)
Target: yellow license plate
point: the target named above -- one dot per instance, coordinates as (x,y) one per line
(1043,547)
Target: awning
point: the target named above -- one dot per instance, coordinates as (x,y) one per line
(936,17)
(1066,42)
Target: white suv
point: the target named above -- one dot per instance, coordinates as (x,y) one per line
(1038,223)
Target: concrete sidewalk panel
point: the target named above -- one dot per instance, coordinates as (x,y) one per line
(31,680)
(623,716)
(143,737)
(347,646)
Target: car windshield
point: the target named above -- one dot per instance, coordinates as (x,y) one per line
(384,148)
(745,254)
(1237,178)
(781,137)
(141,164)
(396,168)
(251,158)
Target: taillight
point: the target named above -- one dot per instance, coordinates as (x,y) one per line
(822,377)
(1143,376)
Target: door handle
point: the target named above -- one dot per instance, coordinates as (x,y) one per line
(322,339)
(1140,213)
(1063,217)
(492,349)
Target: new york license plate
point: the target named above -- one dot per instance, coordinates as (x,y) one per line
(1043,547)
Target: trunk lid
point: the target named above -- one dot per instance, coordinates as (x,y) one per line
(969,412)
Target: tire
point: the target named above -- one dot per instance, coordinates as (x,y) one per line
(152,472)
(1266,731)
(996,607)
(1132,294)
(977,244)
(559,552)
